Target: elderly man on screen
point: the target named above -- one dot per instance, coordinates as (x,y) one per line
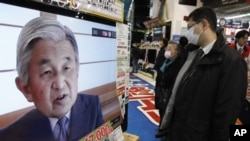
(48,65)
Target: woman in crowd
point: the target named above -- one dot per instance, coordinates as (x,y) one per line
(169,69)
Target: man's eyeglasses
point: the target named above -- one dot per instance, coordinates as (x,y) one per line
(188,27)
(197,22)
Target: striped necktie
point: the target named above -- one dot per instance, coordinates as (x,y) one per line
(61,133)
(240,50)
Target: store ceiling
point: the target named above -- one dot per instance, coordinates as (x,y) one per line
(142,12)
(233,10)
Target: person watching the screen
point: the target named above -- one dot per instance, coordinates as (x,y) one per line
(210,88)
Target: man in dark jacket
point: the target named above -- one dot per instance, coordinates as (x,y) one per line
(206,100)
(135,54)
(241,44)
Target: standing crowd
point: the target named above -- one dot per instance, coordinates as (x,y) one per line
(201,82)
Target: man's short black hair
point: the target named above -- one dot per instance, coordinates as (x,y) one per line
(183,41)
(241,33)
(204,13)
(165,41)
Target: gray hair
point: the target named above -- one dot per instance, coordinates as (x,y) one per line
(36,29)
(177,46)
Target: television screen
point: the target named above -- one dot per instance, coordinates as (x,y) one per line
(188,2)
(93,57)
(157,33)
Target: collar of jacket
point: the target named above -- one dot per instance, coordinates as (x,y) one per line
(216,55)
(234,46)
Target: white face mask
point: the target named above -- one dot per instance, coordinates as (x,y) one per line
(192,38)
(167,54)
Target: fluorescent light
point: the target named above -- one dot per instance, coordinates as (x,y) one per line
(238,16)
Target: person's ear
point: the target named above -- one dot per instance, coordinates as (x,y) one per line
(24,88)
(205,23)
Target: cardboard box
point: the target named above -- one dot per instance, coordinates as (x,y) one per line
(130,137)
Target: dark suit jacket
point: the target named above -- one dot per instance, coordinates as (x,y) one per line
(86,115)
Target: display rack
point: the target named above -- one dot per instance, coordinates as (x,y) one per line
(248,88)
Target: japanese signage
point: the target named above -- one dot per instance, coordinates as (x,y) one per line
(105,133)
(122,78)
(110,9)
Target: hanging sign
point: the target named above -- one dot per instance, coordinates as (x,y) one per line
(110,9)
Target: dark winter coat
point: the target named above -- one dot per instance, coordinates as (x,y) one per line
(211,99)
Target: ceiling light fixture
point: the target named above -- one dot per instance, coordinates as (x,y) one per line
(237,16)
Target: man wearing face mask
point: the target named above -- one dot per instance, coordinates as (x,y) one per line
(209,89)
(170,69)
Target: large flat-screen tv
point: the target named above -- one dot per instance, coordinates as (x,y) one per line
(97,62)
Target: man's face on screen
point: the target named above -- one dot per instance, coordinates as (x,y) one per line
(53,77)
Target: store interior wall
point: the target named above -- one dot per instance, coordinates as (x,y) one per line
(97,55)
(176,16)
